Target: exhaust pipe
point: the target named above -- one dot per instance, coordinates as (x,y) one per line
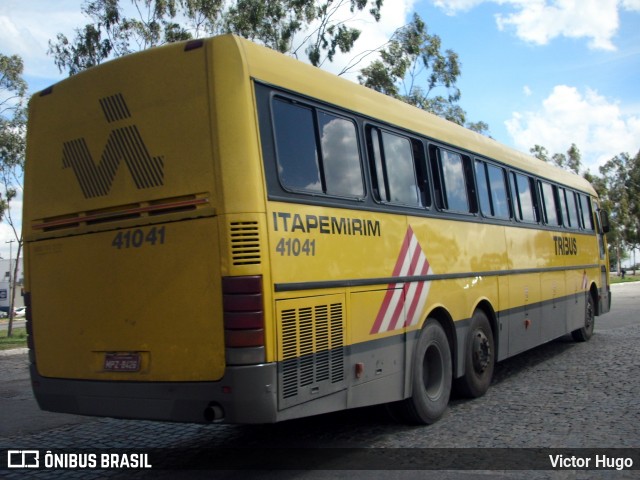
(214,412)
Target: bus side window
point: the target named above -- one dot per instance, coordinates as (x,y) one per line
(378,176)
(572,203)
(340,156)
(454,182)
(587,212)
(483,189)
(436,173)
(492,190)
(297,152)
(550,208)
(421,170)
(499,191)
(317,151)
(523,198)
(395,177)
(570,210)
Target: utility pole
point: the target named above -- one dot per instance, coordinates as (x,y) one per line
(11,286)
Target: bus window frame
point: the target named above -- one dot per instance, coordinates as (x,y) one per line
(544,213)
(485,164)
(589,214)
(515,197)
(439,193)
(422,155)
(316,108)
(566,213)
(423,194)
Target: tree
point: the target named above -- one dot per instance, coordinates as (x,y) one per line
(540,152)
(13,91)
(112,34)
(289,26)
(621,178)
(412,67)
(276,24)
(571,161)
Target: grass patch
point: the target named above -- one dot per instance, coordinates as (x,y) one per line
(627,279)
(18,339)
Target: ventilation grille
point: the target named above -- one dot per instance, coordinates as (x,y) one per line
(245,243)
(312,339)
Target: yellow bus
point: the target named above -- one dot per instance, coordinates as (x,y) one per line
(217,232)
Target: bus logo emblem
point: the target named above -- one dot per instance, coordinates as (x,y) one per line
(124,144)
(407,297)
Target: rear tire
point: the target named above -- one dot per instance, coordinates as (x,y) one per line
(479,358)
(585,333)
(431,378)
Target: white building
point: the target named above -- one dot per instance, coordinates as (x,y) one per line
(6,277)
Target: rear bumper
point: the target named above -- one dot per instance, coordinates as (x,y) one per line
(243,395)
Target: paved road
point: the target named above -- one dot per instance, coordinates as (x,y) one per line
(561,395)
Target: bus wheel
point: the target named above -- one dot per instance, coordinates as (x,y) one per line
(479,358)
(583,334)
(431,379)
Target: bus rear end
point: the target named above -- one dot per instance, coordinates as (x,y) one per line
(123,243)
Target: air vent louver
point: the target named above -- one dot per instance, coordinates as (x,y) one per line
(245,243)
(312,341)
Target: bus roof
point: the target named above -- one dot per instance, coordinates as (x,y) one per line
(274,68)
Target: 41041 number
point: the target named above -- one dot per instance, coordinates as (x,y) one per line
(139,237)
(295,247)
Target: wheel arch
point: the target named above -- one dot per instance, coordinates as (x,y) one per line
(595,295)
(442,316)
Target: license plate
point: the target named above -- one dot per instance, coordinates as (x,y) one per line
(122,362)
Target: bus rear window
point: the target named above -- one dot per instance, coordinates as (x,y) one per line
(317,151)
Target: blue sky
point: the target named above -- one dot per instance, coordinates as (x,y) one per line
(536,80)
(548,72)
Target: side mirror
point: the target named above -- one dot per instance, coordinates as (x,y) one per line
(604,220)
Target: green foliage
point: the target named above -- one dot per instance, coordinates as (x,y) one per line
(619,186)
(11,81)
(571,161)
(278,24)
(111,34)
(412,55)
(13,91)
(413,66)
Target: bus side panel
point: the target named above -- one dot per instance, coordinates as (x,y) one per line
(153,292)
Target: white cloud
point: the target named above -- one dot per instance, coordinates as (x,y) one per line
(540,21)
(527,91)
(631,4)
(451,7)
(597,125)
(27,27)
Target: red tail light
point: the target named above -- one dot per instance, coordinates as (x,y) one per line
(243,313)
